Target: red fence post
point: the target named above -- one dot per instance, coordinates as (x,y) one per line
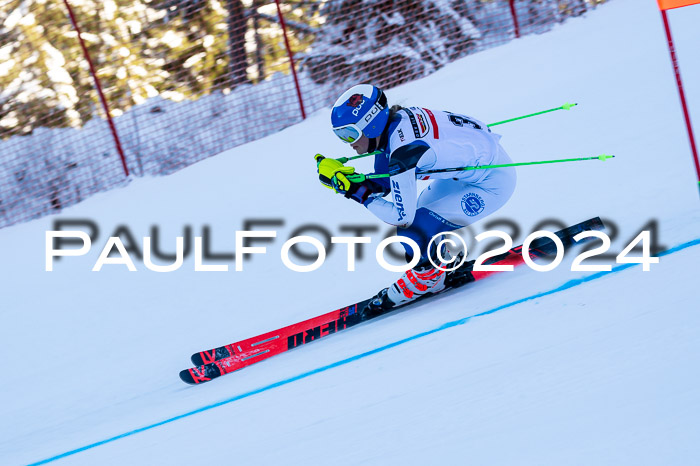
(291,59)
(98,86)
(515,19)
(677,71)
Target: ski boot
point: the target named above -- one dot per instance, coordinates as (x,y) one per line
(419,281)
(422,280)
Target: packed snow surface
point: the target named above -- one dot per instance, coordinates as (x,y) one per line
(602,371)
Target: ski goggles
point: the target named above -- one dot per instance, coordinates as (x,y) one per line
(352,132)
(348,133)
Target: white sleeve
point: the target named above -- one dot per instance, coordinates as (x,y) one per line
(404,194)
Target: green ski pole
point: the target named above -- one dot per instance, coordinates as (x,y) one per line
(347,159)
(563,107)
(602,157)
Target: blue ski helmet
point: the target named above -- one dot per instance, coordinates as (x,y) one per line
(362,109)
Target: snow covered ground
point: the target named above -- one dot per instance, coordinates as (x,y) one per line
(601,371)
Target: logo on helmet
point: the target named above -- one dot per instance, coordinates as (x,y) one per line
(371,113)
(355,100)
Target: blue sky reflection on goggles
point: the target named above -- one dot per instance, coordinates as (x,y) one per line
(348,133)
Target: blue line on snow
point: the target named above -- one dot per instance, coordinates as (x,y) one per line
(565,286)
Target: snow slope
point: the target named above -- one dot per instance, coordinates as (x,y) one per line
(602,372)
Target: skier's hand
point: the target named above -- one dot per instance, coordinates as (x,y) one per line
(344,183)
(343,180)
(330,169)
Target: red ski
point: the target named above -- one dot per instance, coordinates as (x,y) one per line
(229,358)
(216,362)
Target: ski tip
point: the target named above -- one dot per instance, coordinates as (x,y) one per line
(203,357)
(200,374)
(186,376)
(209,356)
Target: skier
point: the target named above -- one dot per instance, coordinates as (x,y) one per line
(406,141)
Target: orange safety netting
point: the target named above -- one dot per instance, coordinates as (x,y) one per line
(184,80)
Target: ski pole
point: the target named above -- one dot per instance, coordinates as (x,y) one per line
(485,167)
(347,159)
(563,107)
